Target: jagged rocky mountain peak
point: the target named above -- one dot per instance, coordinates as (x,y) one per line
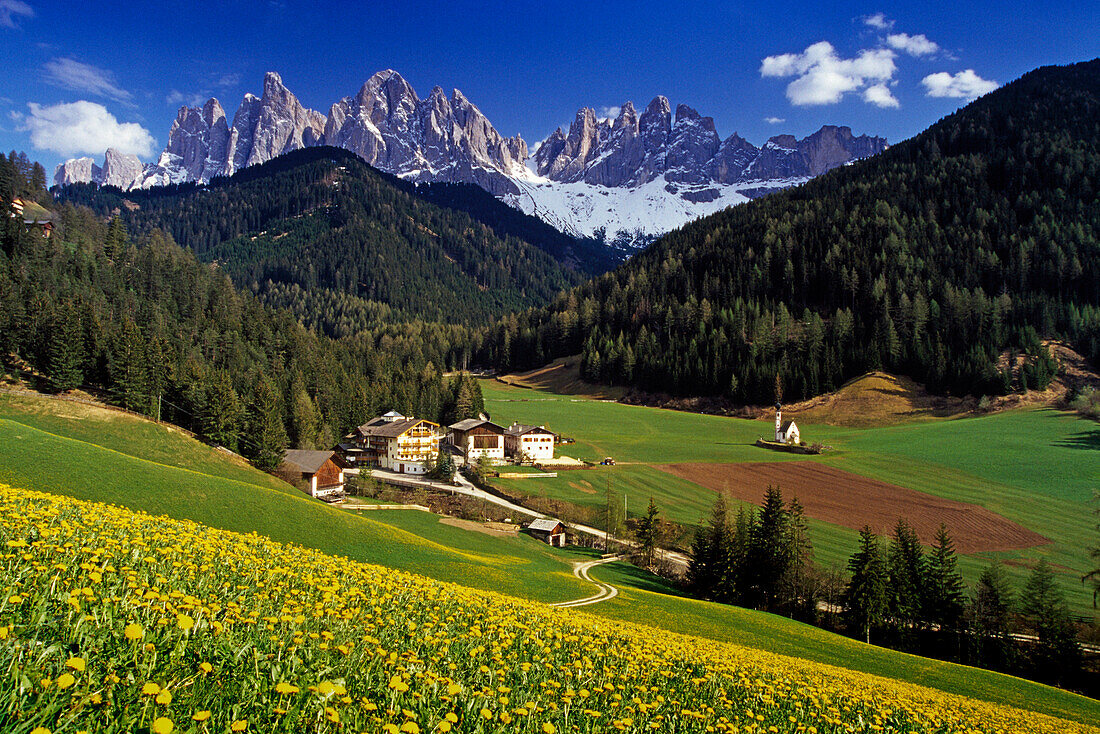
(677,160)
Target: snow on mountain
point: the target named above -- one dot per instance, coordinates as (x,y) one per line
(629,179)
(630,217)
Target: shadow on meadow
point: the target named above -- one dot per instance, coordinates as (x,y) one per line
(1088,440)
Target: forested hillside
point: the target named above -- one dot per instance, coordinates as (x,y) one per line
(936,259)
(142,321)
(347,247)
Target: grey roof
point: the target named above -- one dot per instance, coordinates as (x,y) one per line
(545,524)
(389,429)
(786,425)
(518,429)
(472,423)
(307,462)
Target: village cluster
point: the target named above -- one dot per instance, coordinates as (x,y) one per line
(407,445)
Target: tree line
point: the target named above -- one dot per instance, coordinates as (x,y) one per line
(895,593)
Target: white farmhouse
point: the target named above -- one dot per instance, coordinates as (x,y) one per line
(534,442)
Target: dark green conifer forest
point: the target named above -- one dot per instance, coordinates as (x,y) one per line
(946,258)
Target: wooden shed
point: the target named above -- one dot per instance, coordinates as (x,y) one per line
(320,470)
(549,531)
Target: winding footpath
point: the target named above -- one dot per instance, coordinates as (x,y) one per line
(607,591)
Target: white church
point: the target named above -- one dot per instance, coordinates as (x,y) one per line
(785,432)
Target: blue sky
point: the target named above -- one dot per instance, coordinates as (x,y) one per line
(81,75)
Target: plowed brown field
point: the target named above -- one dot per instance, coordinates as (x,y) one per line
(847,499)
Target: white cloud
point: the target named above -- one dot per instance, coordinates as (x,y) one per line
(963,85)
(84,127)
(609,113)
(80,77)
(774,120)
(878,20)
(918,45)
(824,77)
(10,9)
(229,80)
(880,96)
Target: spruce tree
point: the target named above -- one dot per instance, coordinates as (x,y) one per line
(907,571)
(222,412)
(943,599)
(66,350)
(708,571)
(795,589)
(990,620)
(1057,656)
(771,554)
(128,368)
(647,532)
(865,597)
(266,432)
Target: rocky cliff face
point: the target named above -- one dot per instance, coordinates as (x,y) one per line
(201,144)
(432,139)
(633,150)
(77,170)
(119,169)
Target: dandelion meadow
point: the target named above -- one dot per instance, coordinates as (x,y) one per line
(117,621)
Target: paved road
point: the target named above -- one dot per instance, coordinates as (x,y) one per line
(607,591)
(467,488)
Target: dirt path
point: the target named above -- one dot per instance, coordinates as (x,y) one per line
(607,591)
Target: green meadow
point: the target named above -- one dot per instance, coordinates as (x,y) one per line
(105,456)
(1037,467)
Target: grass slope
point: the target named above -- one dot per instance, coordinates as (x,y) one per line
(101,466)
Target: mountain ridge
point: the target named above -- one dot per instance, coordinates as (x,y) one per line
(447,139)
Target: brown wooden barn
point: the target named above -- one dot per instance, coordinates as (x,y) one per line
(475,437)
(320,470)
(549,531)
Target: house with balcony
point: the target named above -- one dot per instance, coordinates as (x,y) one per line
(399,443)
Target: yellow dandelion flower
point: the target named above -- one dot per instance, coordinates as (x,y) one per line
(164,697)
(184,622)
(133,631)
(200,715)
(239,725)
(285,689)
(163,725)
(76,664)
(487,714)
(40,730)
(65,680)
(443,726)
(150,689)
(451,717)
(454,689)
(549,728)
(206,667)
